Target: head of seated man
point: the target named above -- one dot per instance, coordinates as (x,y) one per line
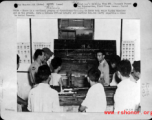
(42,76)
(136,69)
(124,69)
(115,59)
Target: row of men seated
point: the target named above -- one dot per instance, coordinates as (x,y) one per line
(42,98)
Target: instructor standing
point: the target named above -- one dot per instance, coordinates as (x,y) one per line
(103,67)
(47,53)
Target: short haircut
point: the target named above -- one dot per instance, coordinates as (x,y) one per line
(124,67)
(101,51)
(18,59)
(136,66)
(56,62)
(115,59)
(37,53)
(43,73)
(94,74)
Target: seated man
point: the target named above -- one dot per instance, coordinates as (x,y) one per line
(136,73)
(43,98)
(20,102)
(56,78)
(95,100)
(125,95)
(115,59)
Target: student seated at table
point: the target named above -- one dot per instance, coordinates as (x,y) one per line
(125,97)
(56,79)
(136,77)
(95,100)
(43,98)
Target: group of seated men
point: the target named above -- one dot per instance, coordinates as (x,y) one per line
(42,98)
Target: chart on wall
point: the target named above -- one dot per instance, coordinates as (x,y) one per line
(128,50)
(23,50)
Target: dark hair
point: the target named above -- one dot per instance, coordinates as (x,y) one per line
(117,79)
(56,62)
(124,67)
(115,59)
(18,59)
(101,51)
(43,73)
(37,53)
(94,74)
(136,66)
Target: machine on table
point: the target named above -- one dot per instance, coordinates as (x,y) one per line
(78,57)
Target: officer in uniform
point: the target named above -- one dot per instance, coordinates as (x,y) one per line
(38,59)
(47,53)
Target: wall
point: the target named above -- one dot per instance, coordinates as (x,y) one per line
(41,32)
(131,31)
(108,29)
(23,35)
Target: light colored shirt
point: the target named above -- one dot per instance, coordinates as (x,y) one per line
(32,70)
(138,95)
(125,97)
(43,98)
(55,79)
(104,68)
(95,100)
(23,88)
(113,83)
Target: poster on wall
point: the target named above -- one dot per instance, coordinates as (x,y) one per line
(23,50)
(128,50)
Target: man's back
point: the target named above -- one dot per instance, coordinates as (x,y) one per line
(55,79)
(125,96)
(43,99)
(95,100)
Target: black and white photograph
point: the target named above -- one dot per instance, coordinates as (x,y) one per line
(79,67)
(75,60)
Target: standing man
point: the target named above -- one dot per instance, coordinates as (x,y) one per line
(47,53)
(103,67)
(38,59)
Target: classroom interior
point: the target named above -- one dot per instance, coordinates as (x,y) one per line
(76,41)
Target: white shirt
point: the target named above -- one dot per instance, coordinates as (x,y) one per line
(95,100)
(113,83)
(43,98)
(104,69)
(125,96)
(138,95)
(55,78)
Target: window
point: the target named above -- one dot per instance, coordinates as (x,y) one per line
(79,29)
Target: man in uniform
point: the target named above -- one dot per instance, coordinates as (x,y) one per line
(47,53)
(38,59)
(103,67)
